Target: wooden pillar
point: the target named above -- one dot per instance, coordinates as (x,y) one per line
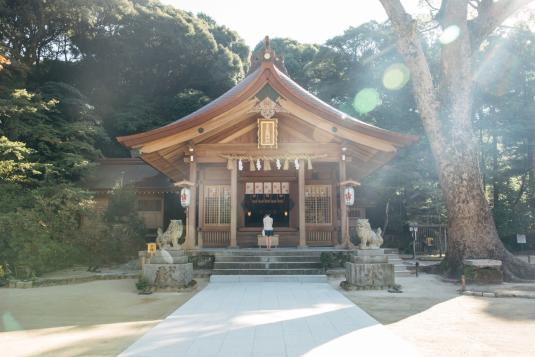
(191,232)
(302,222)
(233,204)
(344,219)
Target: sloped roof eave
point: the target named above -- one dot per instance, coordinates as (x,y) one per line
(246,89)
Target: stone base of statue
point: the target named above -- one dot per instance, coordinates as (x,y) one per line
(368,269)
(168,269)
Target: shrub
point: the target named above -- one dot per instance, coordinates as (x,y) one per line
(50,228)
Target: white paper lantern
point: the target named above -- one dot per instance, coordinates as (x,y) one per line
(349,196)
(185,197)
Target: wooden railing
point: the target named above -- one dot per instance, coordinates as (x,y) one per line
(214,237)
(319,237)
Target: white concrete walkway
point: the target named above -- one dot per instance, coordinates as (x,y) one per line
(237,319)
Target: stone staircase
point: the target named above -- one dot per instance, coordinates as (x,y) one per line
(400,269)
(263,262)
(283,261)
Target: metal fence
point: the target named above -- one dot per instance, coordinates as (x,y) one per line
(431,239)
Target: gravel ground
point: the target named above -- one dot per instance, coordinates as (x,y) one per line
(99,318)
(102,318)
(439,322)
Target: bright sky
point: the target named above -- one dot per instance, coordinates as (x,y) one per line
(307,21)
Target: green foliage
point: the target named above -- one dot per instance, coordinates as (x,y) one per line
(334,259)
(504,121)
(117,234)
(14,164)
(57,124)
(53,227)
(143,284)
(42,230)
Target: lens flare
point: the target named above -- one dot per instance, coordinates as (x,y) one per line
(450,34)
(396,76)
(366,100)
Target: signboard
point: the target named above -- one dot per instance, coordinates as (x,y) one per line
(249,188)
(185,197)
(267,188)
(277,188)
(151,248)
(258,188)
(267,133)
(521,239)
(285,188)
(349,196)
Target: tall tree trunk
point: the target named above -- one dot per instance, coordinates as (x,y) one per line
(495,184)
(531,173)
(447,119)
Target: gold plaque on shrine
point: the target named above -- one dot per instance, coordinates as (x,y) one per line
(267,133)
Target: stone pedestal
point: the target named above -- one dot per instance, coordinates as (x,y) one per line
(168,269)
(483,271)
(369,269)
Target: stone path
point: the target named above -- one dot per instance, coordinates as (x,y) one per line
(265,318)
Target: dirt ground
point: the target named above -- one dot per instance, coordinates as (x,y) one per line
(439,322)
(99,318)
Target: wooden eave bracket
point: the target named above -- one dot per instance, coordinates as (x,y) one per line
(184,183)
(349,182)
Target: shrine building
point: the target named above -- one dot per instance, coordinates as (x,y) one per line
(266,145)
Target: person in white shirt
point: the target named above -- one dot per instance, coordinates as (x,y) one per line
(268,229)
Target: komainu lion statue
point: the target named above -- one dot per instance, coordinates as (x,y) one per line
(368,238)
(169,238)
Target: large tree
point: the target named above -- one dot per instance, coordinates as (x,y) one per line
(445,101)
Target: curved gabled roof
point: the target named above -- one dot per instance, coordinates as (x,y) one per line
(266,73)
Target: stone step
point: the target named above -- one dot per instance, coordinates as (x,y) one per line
(267,265)
(268,258)
(267,272)
(268,278)
(402,273)
(274,252)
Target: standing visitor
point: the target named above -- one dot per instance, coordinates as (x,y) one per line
(268,229)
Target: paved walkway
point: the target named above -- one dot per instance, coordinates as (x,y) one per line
(269,319)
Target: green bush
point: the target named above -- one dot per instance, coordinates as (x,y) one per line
(334,259)
(143,284)
(56,227)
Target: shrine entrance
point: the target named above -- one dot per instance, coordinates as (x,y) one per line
(277,205)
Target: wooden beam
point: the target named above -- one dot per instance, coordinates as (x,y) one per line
(342,132)
(240,132)
(296,134)
(221,121)
(344,219)
(192,209)
(233,204)
(302,221)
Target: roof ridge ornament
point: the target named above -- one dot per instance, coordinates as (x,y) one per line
(266,54)
(267,108)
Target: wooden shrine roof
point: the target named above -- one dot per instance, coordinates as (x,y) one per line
(161,147)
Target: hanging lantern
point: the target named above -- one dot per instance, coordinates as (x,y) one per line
(267,165)
(251,164)
(309,163)
(286,165)
(349,196)
(258,165)
(296,164)
(278,163)
(240,165)
(185,197)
